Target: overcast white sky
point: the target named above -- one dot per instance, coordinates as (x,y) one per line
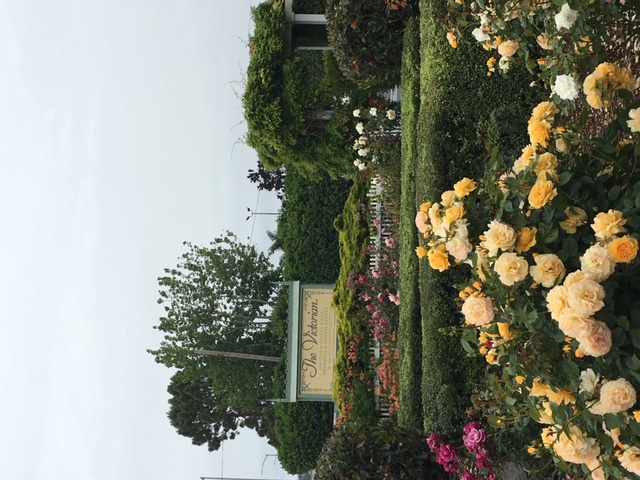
(119,123)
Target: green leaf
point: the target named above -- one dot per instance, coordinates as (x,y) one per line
(633,221)
(612,421)
(614,193)
(633,363)
(510,401)
(634,335)
(565,177)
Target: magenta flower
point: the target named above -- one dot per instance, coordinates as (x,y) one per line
(474,436)
(467,475)
(447,456)
(434,441)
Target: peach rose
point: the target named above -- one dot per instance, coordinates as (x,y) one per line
(607,224)
(422,222)
(508,48)
(596,470)
(623,249)
(448,198)
(549,435)
(500,236)
(596,342)
(526,239)
(478,310)
(459,248)
(575,277)
(575,326)
(548,270)
(586,297)
(543,111)
(539,133)
(576,447)
(511,268)
(561,396)
(598,262)
(464,187)
(525,160)
(542,192)
(615,396)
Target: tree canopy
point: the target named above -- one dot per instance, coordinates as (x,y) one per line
(219,298)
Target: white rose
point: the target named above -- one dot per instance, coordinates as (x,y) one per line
(391,114)
(373,111)
(615,396)
(363,152)
(566,87)
(511,268)
(586,297)
(504,64)
(480,35)
(566,17)
(459,248)
(356,112)
(598,262)
(360,127)
(478,311)
(588,381)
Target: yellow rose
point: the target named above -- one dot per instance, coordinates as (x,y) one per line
(546,162)
(451,38)
(421,252)
(508,48)
(557,301)
(585,297)
(546,413)
(439,258)
(549,436)
(543,111)
(526,159)
(539,133)
(615,396)
(543,41)
(500,236)
(561,396)
(539,388)
(636,415)
(526,239)
(447,198)
(478,310)
(542,192)
(630,459)
(607,224)
(424,207)
(597,341)
(464,187)
(596,470)
(598,262)
(505,331)
(453,213)
(576,217)
(576,447)
(511,268)
(548,270)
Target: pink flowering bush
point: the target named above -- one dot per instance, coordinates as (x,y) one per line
(472,461)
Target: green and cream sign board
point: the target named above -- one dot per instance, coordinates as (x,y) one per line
(312,343)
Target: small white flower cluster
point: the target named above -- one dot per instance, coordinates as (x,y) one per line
(361,144)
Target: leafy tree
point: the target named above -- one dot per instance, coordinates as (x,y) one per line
(196,412)
(219,298)
(271,181)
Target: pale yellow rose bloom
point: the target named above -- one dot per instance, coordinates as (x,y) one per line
(422,222)
(464,187)
(623,249)
(597,473)
(542,192)
(607,224)
(546,413)
(597,341)
(561,396)
(576,447)
(539,388)
(586,297)
(525,160)
(615,396)
(543,41)
(439,258)
(588,381)
(548,270)
(448,198)
(546,162)
(511,268)
(576,217)
(630,459)
(557,301)
(598,262)
(577,276)
(549,435)
(634,120)
(478,310)
(499,236)
(526,239)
